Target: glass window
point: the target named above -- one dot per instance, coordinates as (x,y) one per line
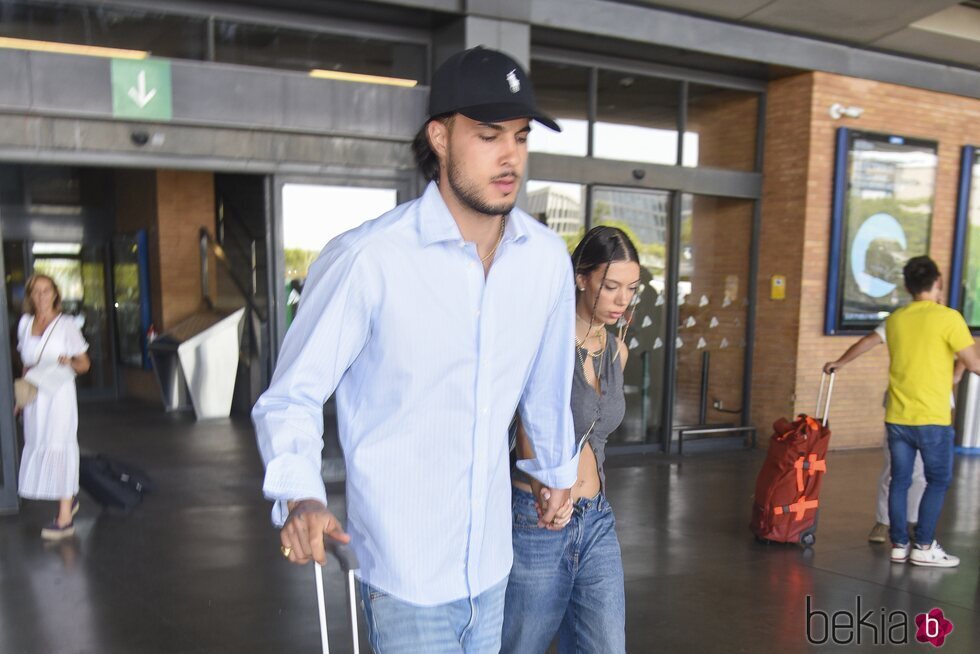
(312,215)
(636,118)
(971,267)
(275,47)
(713,308)
(562,92)
(721,127)
(131,306)
(643,215)
(887,213)
(559,206)
(159,34)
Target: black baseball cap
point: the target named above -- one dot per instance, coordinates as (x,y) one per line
(485,85)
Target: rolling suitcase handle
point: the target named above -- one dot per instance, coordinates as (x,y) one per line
(830,392)
(348,564)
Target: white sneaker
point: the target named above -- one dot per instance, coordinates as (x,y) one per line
(935,556)
(900,553)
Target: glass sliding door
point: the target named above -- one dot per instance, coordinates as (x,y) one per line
(312,215)
(645,217)
(713,309)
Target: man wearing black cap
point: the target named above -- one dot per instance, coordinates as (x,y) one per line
(429,323)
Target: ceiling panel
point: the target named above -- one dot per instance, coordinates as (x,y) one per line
(933,46)
(857,21)
(731,9)
(943,30)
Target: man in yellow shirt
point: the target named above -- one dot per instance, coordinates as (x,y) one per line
(924,340)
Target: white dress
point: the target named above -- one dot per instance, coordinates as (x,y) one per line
(49,466)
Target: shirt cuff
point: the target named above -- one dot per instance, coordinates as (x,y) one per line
(291,477)
(559,477)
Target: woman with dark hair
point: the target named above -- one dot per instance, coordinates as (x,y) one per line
(569,578)
(53,351)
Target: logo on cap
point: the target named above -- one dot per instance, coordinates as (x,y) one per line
(515,84)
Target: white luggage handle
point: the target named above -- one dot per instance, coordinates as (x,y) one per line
(348,564)
(830,392)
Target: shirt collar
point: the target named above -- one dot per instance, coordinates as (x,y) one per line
(436,224)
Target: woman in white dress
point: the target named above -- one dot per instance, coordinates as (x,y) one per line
(53,351)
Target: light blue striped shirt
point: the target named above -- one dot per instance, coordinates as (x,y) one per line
(429,361)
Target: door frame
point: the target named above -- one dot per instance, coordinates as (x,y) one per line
(407,185)
(9,502)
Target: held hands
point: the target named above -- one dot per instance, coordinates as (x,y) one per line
(554,506)
(302,535)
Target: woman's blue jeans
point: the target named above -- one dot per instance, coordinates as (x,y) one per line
(568,582)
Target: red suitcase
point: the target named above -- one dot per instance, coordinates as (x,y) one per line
(787,490)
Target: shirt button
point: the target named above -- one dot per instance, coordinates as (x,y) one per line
(477,313)
(485,410)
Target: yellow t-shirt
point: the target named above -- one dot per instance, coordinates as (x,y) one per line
(923,338)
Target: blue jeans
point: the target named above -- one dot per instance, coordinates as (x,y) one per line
(467,625)
(935,444)
(568,581)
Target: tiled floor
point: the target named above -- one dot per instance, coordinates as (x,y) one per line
(197,567)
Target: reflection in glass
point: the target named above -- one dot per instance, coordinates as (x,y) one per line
(160,34)
(890,189)
(559,206)
(314,214)
(562,92)
(278,47)
(644,216)
(126,284)
(971,267)
(636,118)
(721,127)
(713,309)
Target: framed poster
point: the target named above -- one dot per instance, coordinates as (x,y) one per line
(964,287)
(882,214)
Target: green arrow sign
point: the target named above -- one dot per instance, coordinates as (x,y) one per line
(141,89)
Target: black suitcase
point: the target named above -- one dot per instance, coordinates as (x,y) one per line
(111,483)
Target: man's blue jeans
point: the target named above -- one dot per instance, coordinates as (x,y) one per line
(568,581)
(467,625)
(935,443)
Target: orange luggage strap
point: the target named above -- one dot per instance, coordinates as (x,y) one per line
(812,466)
(799,508)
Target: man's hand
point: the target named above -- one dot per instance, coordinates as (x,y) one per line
(554,506)
(831,367)
(302,534)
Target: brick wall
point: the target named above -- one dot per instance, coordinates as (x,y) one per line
(796,214)
(720,234)
(784,186)
(185,203)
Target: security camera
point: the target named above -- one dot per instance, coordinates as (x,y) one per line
(639,173)
(139,138)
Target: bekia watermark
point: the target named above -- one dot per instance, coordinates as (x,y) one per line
(876,627)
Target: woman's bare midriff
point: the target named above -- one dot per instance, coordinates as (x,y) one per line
(586,485)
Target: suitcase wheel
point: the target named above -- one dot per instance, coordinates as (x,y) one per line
(762,541)
(808,538)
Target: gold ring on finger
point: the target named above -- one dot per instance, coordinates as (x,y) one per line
(285,550)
